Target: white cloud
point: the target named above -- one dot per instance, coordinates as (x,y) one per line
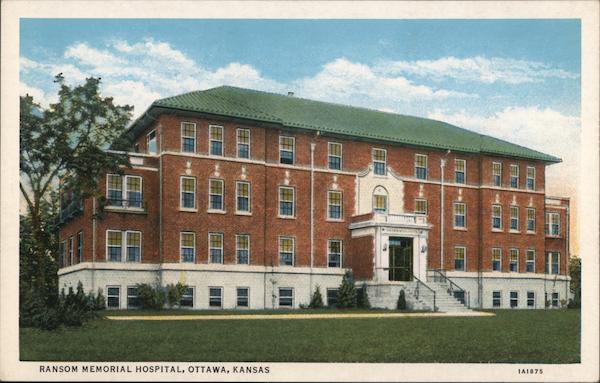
(89,56)
(477,69)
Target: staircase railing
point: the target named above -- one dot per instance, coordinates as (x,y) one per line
(427,290)
(453,289)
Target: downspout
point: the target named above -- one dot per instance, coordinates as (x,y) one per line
(312,213)
(567,253)
(265,220)
(94,244)
(442,166)
(480,255)
(160,208)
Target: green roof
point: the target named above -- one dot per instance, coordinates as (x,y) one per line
(295,112)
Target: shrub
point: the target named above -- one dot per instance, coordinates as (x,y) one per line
(401,301)
(362,298)
(573,304)
(347,292)
(151,298)
(316,302)
(174,293)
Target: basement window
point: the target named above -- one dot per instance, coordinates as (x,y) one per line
(286,297)
(187,299)
(215,297)
(113,296)
(496,299)
(514,299)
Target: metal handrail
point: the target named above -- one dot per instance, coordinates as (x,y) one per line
(419,283)
(453,286)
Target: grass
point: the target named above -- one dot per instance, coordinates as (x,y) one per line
(519,336)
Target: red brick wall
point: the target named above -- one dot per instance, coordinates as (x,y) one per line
(360,257)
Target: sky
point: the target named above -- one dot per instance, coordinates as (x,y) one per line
(518,80)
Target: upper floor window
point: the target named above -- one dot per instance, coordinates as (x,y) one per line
(71,249)
(380,200)
(421,206)
(497,173)
(552,224)
(460,216)
(421,166)
(286,201)
(242,249)
(460,171)
(215,195)
(151,145)
(286,150)
(243,143)
(514,218)
(62,250)
(379,161)
(514,176)
(497,259)
(129,186)
(242,197)
(335,155)
(188,137)
(530,261)
(530,219)
(459,258)
(115,246)
(496,217)
(80,246)
(188,192)
(514,261)
(552,262)
(334,253)
(216,140)
(334,205)
(286,251)
(530,178)
(187,249)
(215,247)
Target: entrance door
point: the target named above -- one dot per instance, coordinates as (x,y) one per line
(401,256)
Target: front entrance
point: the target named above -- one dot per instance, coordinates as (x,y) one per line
(401,259)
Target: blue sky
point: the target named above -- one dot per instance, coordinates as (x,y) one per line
(514,79)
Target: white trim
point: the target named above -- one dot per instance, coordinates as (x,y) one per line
(510,254)
(237,140)
(279,215)
(527,299)
(181,207)
(243,212)
(499,298)
(329,241)
(126,246)
(341,205)
(527,220)
(494,175)
(511,167)
(187,247)
(210,209)
(220,234)
(534,256)
(237,249)
(147,142)
(464,171)
(108,295)
(454,215)
(127,296)
(510,218)
(332,155)
(464,257)
(426,206)
(222,140)
(510,299)
(417,155)
(181,136)
(527,177)
(373,161)
(279,297)
(237,297)
(500,267)
(106,254)
(500,216)
(279,238)
(210,296)
(287,150)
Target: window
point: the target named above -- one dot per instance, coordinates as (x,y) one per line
(497,217)
(286,297)
(187,249)
(496,259)
(215,297)
(80,247)
(530,178)
(335,155)
(215,247)
(334,253)
(62,253)
(243,297)
(151,146)
(188,137)
(242,249)
(497,173)
(379,161)
(380,200)
(286,201)
(243,143)
(531,299)
(334,205)
(421,166)
(460,220)
(514,218)
(421,206)
(514,176)
(188,192)
(71,249)
(216,140)
(215,195)
(514,260)
(332,297)
(133,300)
(113,297)
(496,299)
(552,262)
(286,251)
(286,150)
(514,299)
(530,261)
(114,245)
(460,167)
(530,220)
(459,258)
(134,191)
(114,190)
(242,190)
(187,299)
(552,224)
(555,300)
(134,246)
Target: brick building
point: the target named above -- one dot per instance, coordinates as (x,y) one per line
(252,199)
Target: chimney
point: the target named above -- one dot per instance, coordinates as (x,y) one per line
(291,94)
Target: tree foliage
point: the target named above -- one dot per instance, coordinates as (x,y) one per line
(362,298)
(347,291)
(316,301)
(575,274)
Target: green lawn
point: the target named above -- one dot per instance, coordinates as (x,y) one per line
(525,336)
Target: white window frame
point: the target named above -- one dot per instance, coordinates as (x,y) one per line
(532,300)
(148,142)
(211,140)
(527,261)
(293,201)
(513,251)
(384,162)
(125,191)
(329,155)
(131,296)
(549,224)
(511,218)
(497,216)
(530,178)
(210,194)
(417,200)
(210,248)
(382,192)
(455,214)
(515,299)
(534,220)
(417,156)
(237,196)
(329,205)
(281,137)
(118,296)
(329,253)
(557,300)
(238,143)
(280,238)
(512,167)
(192,137)
(71,243)
(220,288)
(550,256)
(193,288)
(499,298)
(181,207)
(499,251)
(237,248)
(464,255)
(237,297)
(181,247)
(107,246)
(464,171)
(494,173)
(80,246)
(126,246)
(279,297)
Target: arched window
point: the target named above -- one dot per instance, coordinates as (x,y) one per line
(380,200)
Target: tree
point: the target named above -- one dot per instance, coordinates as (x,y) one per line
(362,298)
(347,292)
(316,302)
(575,274)
(401,304)
(68,141)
